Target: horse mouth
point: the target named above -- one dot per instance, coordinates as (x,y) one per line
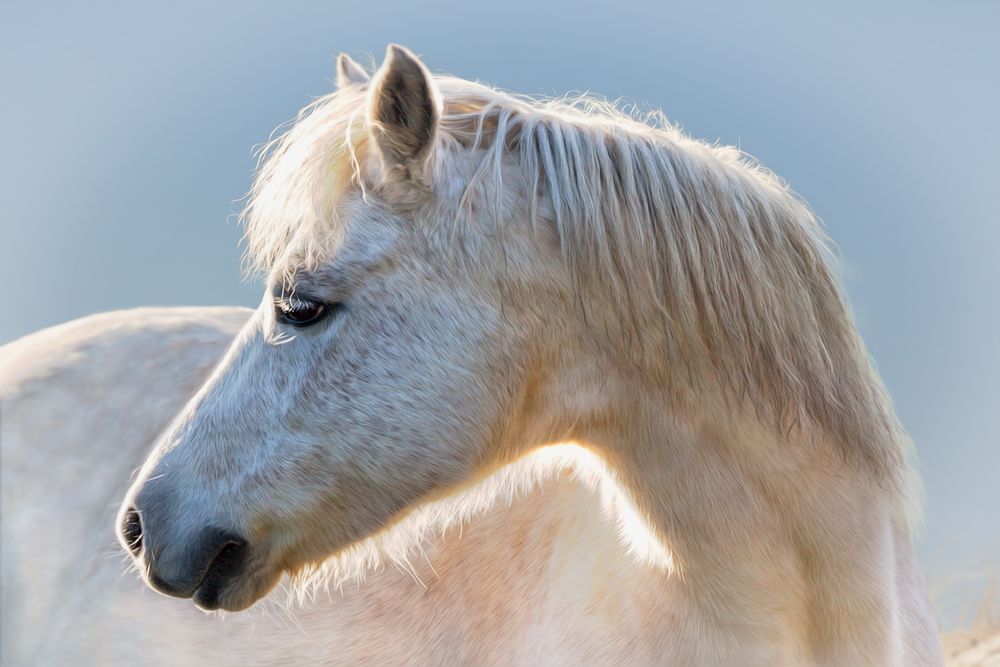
(225,570)
(232,583)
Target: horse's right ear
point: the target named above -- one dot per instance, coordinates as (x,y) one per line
(403,111)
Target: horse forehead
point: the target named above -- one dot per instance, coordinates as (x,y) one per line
(342,255)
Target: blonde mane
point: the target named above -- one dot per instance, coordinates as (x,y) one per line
(718,273)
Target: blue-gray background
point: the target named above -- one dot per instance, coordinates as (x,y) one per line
(128,131)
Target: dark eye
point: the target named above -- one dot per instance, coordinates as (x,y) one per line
(301,313)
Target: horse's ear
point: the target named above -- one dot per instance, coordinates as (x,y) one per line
(349,72)
(403,110)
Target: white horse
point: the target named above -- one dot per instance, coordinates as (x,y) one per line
(467,290)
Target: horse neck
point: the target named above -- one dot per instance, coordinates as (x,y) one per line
(769,536)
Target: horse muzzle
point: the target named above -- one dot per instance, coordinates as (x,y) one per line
(201,566)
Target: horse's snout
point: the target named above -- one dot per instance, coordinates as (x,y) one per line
(198,567)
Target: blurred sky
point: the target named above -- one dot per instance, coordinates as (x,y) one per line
(128,130)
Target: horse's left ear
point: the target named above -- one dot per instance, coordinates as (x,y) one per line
(404,110)
(349,72)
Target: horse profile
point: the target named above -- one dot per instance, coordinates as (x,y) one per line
(469,291)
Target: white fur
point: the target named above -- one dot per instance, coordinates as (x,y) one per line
(515,276)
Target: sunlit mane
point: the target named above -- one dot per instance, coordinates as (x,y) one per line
(726,273)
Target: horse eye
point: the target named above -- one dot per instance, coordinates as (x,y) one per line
(301,313)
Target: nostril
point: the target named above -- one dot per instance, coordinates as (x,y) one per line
(132,531)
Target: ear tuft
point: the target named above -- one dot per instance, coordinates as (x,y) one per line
(404,108)
(350,72)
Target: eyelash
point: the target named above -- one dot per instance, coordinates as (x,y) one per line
(293,303)
(286,308)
